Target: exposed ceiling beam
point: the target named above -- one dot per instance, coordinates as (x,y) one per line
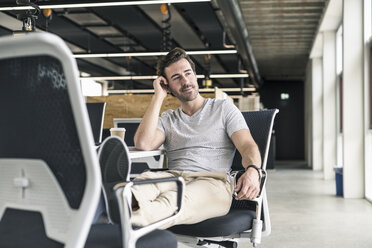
(234,19)
(103,4)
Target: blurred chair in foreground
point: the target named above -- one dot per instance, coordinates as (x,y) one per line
(50,180)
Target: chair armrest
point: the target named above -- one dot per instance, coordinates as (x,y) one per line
(254,204)
(124,196)
(257,203)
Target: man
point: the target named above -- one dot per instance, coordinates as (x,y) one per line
(200,138)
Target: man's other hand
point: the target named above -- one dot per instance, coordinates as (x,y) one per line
(248,185)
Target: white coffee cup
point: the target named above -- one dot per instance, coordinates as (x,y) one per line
(118,131)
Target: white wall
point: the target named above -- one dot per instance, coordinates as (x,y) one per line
(329,104)
(317,113)
(353,99)
(368,132)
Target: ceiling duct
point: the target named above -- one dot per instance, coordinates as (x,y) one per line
(234,18)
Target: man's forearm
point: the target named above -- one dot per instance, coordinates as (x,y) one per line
(251,156)
(146,132)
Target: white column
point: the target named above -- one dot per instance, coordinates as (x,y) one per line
(317,113)
(329,104)
(353,98)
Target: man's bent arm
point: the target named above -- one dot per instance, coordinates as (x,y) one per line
(248,184)
(148,136)
(247,147)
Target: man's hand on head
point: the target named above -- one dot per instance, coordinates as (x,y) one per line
(161,86)
(248,185)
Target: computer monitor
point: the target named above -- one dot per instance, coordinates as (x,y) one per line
(131,125)
(96,112)
(141,164)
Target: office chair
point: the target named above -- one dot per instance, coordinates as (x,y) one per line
(246,219)
(50,180)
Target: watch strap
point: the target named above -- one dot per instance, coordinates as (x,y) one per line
(259,171)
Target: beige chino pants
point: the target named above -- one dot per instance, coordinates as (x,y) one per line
(206,195)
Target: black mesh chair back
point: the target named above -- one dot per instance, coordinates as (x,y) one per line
(260,125)
(47,191)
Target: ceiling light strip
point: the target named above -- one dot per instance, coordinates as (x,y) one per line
(229,89)
(139,91)
(151,77)
(107,4)
(212,52)
(150,54)
(130,91)
(114,78)
(243,75)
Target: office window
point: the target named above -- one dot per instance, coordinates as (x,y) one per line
(368,54)
(340,101)
(339,50)
(339,70)
(370,88)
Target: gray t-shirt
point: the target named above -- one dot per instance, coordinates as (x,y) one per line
(201,142)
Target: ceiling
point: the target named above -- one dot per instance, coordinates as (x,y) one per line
(273,37)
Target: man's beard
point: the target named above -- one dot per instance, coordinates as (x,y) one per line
(187,97)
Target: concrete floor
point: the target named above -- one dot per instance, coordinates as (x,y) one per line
(305,212)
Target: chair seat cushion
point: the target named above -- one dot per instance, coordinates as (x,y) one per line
(109,236)
(24,228)
(237,220)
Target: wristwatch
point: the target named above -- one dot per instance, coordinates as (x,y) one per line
(259,171)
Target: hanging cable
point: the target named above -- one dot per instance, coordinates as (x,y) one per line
(242,81)
(166,43)
(207,81)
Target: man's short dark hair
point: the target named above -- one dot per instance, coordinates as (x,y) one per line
(173,56)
